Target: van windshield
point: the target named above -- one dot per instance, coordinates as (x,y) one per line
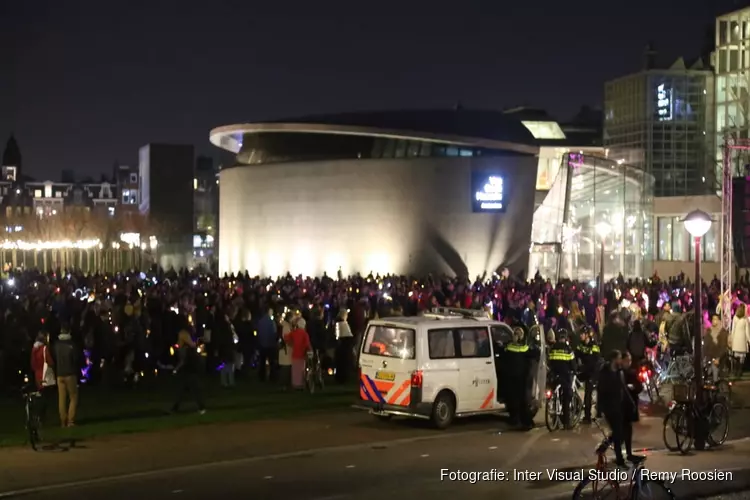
(389,342)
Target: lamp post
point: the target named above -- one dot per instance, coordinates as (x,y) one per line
(697,223)
(603,229)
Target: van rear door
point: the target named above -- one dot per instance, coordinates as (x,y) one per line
(387,360)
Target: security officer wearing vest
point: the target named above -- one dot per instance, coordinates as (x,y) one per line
(562,363)
(588,356)
(518,378)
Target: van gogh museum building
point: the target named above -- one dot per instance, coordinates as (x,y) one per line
(456,191)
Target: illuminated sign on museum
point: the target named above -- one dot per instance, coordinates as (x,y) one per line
(664,103)
(488,193)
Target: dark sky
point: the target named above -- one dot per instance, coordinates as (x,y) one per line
(85,83)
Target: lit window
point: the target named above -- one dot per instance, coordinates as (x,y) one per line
(126,196)
(195,184)
(37,193)
(111,211)
(544,130)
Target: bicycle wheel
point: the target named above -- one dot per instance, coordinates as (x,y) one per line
(668,433)
(319,378)
(310,380)
(576,409)
(551,417)
(682,424)
(33,423)
(598,490)
(652,490)
(718,424)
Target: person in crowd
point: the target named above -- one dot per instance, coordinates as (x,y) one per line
(529,317)
(633,389)
(610,397)
(740,336)
(189,366)
(344,347)
(66,362)
(589,357)
(680,336)
(715,346)
(42,365)
(223,341)
(562,365)
(638,341)
(285,357)
(614,334)
(518,374)
(268,342)
(300,342)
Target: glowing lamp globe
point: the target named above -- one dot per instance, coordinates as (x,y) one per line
(697,223)
(603,229)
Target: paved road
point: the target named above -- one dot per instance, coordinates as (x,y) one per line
(408,468)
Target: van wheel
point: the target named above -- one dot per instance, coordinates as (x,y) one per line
(443,410)
(384,418)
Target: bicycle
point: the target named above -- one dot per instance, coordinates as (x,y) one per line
(680,420)
(32,400)
(553,407)
(650,382)
(679,369)
(603,482)
(313,372)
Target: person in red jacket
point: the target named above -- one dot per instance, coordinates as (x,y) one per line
(300,342)
(40,354)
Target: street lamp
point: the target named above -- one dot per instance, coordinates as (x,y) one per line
(697,223)
(603,229)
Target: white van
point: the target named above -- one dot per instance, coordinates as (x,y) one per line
(438,366)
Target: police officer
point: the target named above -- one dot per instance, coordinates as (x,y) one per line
(562,363)
(588,356)
(519,359)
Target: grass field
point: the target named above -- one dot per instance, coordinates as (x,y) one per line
(144,408)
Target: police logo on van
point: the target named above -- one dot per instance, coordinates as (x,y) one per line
(480,381)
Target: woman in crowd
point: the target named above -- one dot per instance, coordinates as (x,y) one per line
(344,348)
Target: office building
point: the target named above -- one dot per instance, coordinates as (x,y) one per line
(166,198)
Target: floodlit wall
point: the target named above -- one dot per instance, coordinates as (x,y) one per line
(380,215)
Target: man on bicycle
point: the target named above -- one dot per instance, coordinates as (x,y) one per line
(563,365)
(589,358)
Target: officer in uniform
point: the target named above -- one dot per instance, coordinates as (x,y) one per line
(589,359)
(519,358)
(562,363)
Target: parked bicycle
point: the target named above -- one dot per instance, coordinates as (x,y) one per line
(679,369)
(32,403)
(553,410)
(649,379)
(314,373)
(602,482)
(685,410)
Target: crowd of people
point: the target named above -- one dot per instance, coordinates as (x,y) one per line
(117,329)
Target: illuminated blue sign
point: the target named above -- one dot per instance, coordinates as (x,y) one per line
(488,193)
(664,103)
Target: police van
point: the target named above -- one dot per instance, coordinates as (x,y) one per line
(439,366)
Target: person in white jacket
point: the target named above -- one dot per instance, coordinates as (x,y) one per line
(740,336)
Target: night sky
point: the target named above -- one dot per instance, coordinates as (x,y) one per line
(85,83)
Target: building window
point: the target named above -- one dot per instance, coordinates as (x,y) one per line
(709,246)
(195,184)
(37,193)
(111,211)
(673,239)
(134,178)
(58,194)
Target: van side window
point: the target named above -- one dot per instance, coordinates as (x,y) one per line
(474,342)
(441,344)
(502,335)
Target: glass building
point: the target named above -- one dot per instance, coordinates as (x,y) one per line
(732,66)
(588,190)
(662,121)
